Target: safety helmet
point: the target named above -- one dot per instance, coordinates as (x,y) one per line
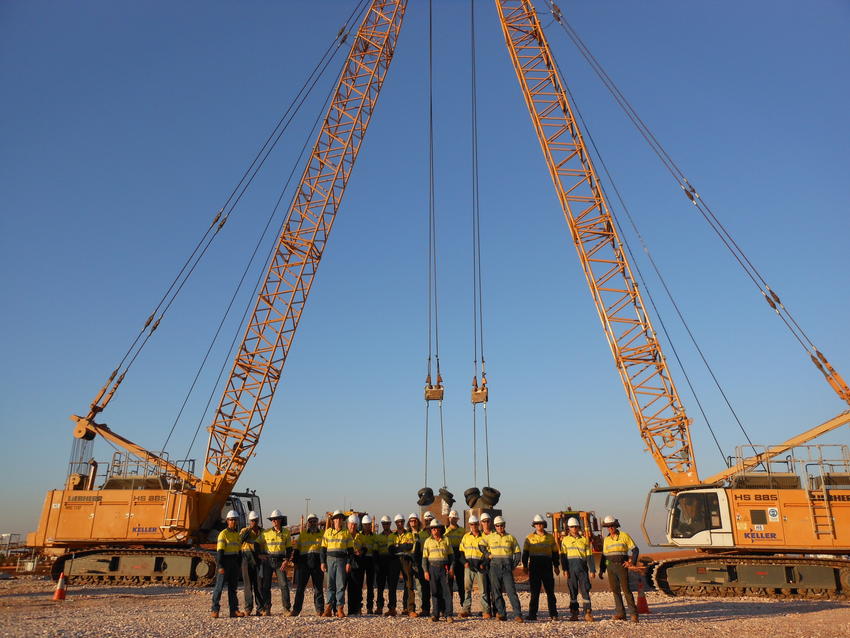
(337,514)
(366,520)
(610,521)
(312,517)
(412,516)
(275,514)
(232,514)
(428,516)
(538,519)
(498,521)
(573,522)
(453,514)
(386,519)
(485,516)
(473,519)
(354,519)
(436,523)
(398,517)
(253,516)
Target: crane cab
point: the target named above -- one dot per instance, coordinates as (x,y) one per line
(699,518)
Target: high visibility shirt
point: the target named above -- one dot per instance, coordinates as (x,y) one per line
(368,543)
(404,542)
(455,535)
(472,547)
(337,543)
(540,545)
(252,540)
(576,547)
(502,546)
(436,551)
(424,535)
(382,543)
(277,543)
(619,546)
(229,542)
(309,542)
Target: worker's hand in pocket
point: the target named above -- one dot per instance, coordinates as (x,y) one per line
(427,576)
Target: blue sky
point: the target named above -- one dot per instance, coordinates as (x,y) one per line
(124,126)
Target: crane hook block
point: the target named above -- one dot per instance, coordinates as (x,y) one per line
(479,393)
(434,392)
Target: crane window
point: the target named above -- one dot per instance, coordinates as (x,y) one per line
(694,513)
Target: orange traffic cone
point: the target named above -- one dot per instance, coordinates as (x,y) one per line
(59,594)
(642,605)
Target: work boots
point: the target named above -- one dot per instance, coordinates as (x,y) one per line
(340,613)
(390,612)
(588,616)
(237,614)
(328,612)
(214,614)
(634,618)
(573,615)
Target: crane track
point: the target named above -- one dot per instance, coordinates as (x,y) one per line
(841,592)
(136,580)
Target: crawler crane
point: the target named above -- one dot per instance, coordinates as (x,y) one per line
(763,527)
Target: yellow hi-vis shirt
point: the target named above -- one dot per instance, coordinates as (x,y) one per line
(254,540)
(437,552)
(229,541)
(540,545)
(383,542)
(424,535)
(455,535)
(309,542)
(337,541)
(472,546)
(277,543)
(368,543)
(620,546)
(502,546)
(576,547)
(404,542)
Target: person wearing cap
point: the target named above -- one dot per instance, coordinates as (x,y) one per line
(307,555)
(253,555)
(437,561)
(454,534)
(472,552)
(423,588)
(278,544)
(619,552)
(539,560)
(504,553)
(486,531)
(337,551)
(577,561)
(382,563)
(401,545)
(227,563)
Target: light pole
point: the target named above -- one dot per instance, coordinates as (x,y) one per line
(306,508)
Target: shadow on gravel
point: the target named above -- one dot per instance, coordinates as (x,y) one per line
(715,609)
(123,592)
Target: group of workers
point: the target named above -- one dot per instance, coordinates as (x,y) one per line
(431,560)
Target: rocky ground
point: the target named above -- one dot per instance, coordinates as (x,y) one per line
(27,609)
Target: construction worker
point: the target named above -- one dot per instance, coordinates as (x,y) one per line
(454,533)
(355,577)
(504,554)
(486,531)
(253,555)
(577,561)
(227,564)
(307,555)
(371,543)
(382,563)
(474,559)
(423,592)
(437,561)
(278,544)
(539,560)
(419,582)
(337,551)
(619,552)
(401,545)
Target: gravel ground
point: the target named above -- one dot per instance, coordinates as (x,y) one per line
(26,609)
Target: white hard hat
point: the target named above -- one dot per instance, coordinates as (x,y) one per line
(275,514)
(610,520)
(354,519)
(498,521)
(573,522)
(337,513)
(412,516)
(538,519)
(485,516)
(453,514)
(473,519)
(386,519)
(232,514)
(312,517)
(366,520)
(436,523)
(398,517)
(253,516)
(428,516)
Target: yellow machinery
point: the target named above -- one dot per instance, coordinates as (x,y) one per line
(149,517)
(765,526)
